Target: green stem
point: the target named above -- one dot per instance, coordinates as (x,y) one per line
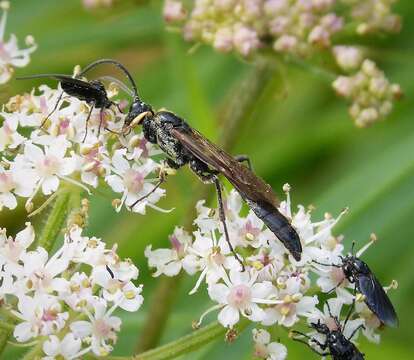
(35,353)
(6,326)
(56,220)
(236,111)
(186,344)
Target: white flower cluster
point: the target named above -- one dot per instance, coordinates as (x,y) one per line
(245,26)
(274,288)
(10,54)
(371,93)
(43,148)
(374,15)
(300,28)
(289,26)
(67,299)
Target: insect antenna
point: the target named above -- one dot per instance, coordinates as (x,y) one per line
(118,82)
(335,318)
(118,65)
(352,248)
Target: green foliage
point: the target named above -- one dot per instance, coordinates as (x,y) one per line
(299,133)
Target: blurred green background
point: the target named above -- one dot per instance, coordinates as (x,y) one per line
(299,132)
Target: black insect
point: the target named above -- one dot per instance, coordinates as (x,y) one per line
(186,146)
(336,344)
(92,92)
(357,272)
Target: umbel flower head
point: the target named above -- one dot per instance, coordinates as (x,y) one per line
(273,288)
(49,294)
(10,54)
(47,157)
(299,28)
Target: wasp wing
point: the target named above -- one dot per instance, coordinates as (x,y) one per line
(357,355)
(377,299)
(61,78)
(258,194)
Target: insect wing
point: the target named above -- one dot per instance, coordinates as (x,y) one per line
(61,78)
(278,225)
(377,299)
(258,195)
(244,180)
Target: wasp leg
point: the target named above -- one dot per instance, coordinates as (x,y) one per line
(87,121)
(348,316)
(355,331)
(322,346)
(54,109)
(162,178)
(149,193)
(117,106)
(244,158)
(210,176)
(336,286)
(101,117)
(323,264)
(223,218)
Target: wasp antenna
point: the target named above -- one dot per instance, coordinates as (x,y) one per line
(37,76)
(119,83)
(118,65)
(352,248)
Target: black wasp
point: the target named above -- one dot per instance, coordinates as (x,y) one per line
(357,272)
(186,146)
(336,344)
(92,92)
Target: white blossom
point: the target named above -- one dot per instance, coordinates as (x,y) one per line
(10,54)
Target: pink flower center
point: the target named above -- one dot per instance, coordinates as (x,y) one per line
(101,329)
(134,181)
(240,296)
(337,275)
(49,315)
(4,55)
(6,183)
(260,351)
(49,165)
(176,244)
(249,231)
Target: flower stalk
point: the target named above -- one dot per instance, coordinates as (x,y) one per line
(186,344)
(56,219)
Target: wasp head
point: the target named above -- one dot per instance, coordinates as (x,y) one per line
(320,327)
(137,112)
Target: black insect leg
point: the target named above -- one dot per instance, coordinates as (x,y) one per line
(322,346)
(162,177)
(87,121)
(148,194)
(101,117)
(210,176)
(323,264)
(223,218)
(110,271)
(355,331)
(335,287)
(244,158)
(348,316)
(54,109)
